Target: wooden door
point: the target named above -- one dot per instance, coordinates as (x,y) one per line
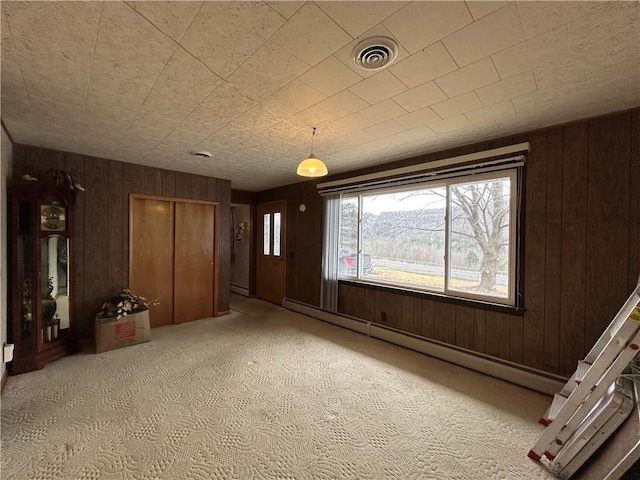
(151,255)
(271,263)
(194,261)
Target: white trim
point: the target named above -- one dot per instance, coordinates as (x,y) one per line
(512,372)
(240,290)
(422,167)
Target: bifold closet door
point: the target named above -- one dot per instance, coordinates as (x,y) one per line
(151,256)
(194,258)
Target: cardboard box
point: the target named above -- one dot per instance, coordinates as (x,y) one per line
(130,330)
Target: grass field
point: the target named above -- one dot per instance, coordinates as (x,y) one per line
(432,282)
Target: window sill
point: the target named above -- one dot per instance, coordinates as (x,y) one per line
(439,297)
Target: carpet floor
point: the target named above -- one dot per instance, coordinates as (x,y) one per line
(265,394)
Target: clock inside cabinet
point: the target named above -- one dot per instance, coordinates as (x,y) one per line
(41,297)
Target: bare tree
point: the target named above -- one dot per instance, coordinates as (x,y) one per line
(484,209)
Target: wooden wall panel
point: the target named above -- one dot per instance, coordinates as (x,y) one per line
(116,228)
(428,318)
(479,331)
(574,245)
(607,221)
(183,185)
(497,334)
(445,322)
(96,243)
(634,202)
(416,327)
(169,183)
(464,327)
(516,329)
(99,256)
(534,255)
(407,314)
(553,250)
(223,191)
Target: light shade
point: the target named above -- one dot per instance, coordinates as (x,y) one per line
(312,167)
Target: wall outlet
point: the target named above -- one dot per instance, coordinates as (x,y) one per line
(7,352)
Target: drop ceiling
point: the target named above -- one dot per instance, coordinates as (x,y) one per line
(152,82)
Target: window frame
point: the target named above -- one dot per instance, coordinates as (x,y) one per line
(514,173)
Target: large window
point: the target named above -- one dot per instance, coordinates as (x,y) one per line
(453,236)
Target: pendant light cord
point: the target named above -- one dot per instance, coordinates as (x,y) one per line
(312,135)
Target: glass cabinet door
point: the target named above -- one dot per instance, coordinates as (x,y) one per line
(55,287)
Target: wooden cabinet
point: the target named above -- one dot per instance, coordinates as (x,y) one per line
(41,325)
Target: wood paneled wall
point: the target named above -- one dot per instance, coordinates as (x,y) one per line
(581,251)
(100,258)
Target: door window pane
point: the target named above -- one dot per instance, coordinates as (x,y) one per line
(276,234)
(266,234)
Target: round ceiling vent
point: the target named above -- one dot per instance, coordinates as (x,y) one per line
(202,154)
(375,53)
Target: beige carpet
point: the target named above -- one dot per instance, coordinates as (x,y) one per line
(281,396)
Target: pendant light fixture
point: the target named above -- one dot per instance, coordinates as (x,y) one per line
(312,166)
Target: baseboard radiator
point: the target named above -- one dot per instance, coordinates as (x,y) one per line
(533,379)
(239,290)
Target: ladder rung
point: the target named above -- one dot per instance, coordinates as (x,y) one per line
(559,400)
(581,371)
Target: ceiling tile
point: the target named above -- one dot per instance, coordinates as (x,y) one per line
(345,54)
(540,17)
(424,66)
(173,18)
(542,51)
(497,31)
(499,111)
(343,103)
(162,109)
(266,71)
(286,9)
(224,34)
(417,133)
(185,80)
(508,88)
(380,112)
(49,30)
(118,90)
(450,124)
(354,139)
(480,8)
(220,108)
(420,97)
(385,129)
(421,24)
(378,87)
(348,124)
(292,99)
(312,117)
(355,18)
(468,78)
(330,76)
(311,35)
(128,43)
(417,118)
(455,106)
